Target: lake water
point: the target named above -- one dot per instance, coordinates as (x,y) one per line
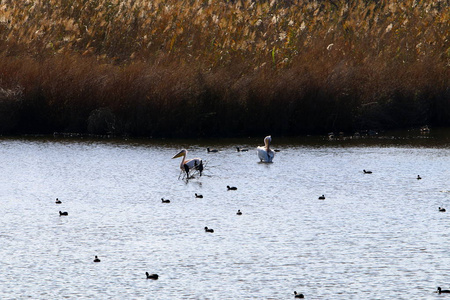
(375,236)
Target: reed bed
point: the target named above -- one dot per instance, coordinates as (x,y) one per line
(222,68)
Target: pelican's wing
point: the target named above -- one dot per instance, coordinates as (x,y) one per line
(270,155)
(193,163)
(264,155)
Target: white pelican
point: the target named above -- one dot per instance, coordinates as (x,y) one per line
(266,154)
(189,164)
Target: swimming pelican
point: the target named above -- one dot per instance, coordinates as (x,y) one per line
(189,164)
(265,154)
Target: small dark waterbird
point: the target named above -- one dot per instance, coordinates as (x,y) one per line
(231,188)
(441,209)
(425,129)
(241,149)
(209,230)
(322,197)
(165,200)
(198,195)
(212,150)
(57,201)
(418,177)
(152,276)
(367,172)
(96,259)
(239,212)
(63,213)
(298,295)
(441,291)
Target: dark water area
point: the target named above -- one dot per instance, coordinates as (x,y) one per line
(375,236)
(438,137)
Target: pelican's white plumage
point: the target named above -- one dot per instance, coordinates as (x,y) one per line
(266,154)
(189,164)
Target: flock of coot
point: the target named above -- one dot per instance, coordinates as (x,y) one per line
(266,155)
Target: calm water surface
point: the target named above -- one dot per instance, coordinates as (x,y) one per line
(377,236)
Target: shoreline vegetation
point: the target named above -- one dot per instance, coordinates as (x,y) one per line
(197,68)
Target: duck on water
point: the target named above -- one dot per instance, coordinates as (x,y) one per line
(441,291)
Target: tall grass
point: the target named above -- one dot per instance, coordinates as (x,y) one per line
(204,68)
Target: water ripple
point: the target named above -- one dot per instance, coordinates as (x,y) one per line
(377,236)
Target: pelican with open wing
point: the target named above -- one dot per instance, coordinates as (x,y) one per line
(188,165)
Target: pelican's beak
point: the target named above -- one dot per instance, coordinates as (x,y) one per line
(179,154)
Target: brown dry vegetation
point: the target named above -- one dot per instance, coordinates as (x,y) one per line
(222,68)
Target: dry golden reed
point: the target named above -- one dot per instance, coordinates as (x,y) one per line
(199,67)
